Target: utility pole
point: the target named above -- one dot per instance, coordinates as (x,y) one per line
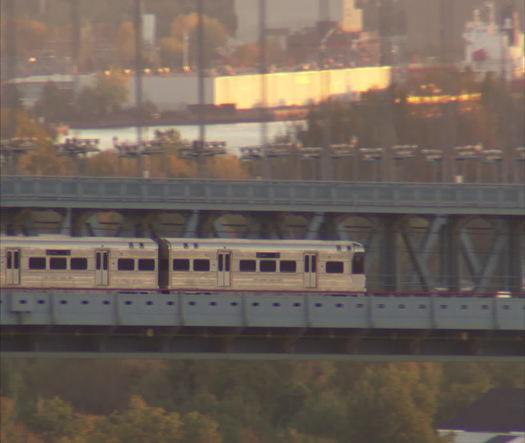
(263,70)
(9,16)
(139,68)
(201,86)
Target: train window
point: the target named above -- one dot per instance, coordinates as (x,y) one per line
(126,264)
(146,264)
(57,263)
(78,263)
(334,267)
(247,265)
(287,266)
(358,263)
(181,264)
(37,263)
(201,264)
(267,265)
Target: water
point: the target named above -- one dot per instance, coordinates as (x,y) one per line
(234,134)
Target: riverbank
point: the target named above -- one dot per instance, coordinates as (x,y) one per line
(193,116)
(235,135)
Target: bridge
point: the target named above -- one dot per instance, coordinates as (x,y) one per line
(418,236)
(460,238)
(233,325)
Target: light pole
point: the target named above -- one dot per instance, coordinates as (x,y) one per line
(138,76)
(75,148)
(11,149)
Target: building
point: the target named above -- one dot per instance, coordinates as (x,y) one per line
(295,14)
(180,91)
(495,45)
(498,416)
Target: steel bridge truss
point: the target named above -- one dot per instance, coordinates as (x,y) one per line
(408,252)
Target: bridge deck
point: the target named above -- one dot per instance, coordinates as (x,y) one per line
(235,324)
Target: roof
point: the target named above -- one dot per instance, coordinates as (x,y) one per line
(498,410)
(505,439)
(64,241)
(279,244)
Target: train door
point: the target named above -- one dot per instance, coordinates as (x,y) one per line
(310,270)
(223,268)
(102,267)
(13,266)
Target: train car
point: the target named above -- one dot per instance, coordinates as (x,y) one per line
(55,261)
(181,264)
(261,265)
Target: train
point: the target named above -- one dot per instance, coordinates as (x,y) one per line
(182,265)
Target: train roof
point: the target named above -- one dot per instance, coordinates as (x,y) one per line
(65,241)
(266,244)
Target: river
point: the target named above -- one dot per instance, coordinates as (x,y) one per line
(234,134)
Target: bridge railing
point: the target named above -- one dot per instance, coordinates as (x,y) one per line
(18,190)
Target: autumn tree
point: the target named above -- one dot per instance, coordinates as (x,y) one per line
(184,31)
(55,420)
(31,36)
(125,44)
(392,403)
(141,423)
(199,428)
(245,55)
(461,385)
(11,430)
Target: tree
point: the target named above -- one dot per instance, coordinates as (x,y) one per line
(106,96)
(186,26)
(55,105)
(10,430)
(125,44)
(389,403)
(31,36)
(55,419)
(462,383)
(246,55)
(199,428)
(141,423)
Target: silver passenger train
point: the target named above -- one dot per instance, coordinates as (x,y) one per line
(181,264)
